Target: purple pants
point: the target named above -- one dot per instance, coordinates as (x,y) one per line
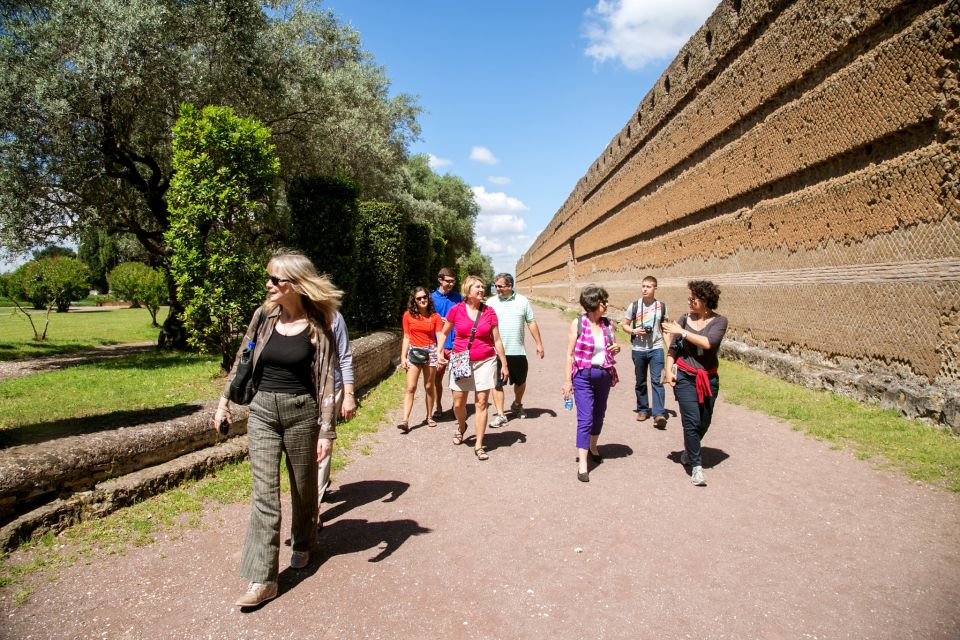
(591,387)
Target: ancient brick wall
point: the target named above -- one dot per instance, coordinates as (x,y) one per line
(804,156)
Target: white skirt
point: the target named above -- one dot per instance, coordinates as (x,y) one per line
(484,376)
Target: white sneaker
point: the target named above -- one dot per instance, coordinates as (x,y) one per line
(299,559)
(684,458)
(498,421)
(258,593)
(696,477)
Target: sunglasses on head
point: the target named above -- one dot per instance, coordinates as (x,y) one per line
(276,280)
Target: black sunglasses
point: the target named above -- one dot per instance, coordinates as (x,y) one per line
(419,298)
(276,280)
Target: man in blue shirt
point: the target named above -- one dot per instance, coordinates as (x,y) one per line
(444,298)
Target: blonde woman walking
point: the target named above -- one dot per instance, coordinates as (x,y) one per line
(292,413)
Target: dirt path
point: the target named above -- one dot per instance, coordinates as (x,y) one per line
(790,540)
(17,368)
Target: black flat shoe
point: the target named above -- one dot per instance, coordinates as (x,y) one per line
(583,477)
(595,458)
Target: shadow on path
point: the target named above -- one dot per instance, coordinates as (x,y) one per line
(347,537)
(709,456)
(355,494)
(496,439)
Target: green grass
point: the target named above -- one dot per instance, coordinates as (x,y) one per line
(921,451)
(177,509)
(71,332)
(90,397)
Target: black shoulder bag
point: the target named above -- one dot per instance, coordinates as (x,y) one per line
(241,387)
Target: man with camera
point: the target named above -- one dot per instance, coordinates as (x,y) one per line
(642,321)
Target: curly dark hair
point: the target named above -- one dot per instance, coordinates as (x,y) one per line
(592,296)
(412,303)
(706,291)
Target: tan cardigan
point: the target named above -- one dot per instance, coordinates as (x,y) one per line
(324,363)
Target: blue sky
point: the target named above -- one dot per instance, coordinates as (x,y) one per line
(521,96)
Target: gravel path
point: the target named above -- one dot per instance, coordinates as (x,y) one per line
(17,368)
(790,540)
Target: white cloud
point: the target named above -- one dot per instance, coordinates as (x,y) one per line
(638,32)
(499,180)
(497,202)
(435,163)
(500,230)
(484,155)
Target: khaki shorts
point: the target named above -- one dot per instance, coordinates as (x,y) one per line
(484,377)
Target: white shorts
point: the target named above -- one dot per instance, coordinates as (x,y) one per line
(484,377)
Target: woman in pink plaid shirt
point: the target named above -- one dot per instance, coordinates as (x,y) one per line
(591,372)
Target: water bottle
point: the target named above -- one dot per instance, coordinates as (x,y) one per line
(568,403)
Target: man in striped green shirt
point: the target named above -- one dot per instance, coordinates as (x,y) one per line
(513,314)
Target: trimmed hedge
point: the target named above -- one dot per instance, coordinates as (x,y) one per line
(380,239)
(323,224)
(418,258)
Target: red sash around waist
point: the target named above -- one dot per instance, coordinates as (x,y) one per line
(702,382)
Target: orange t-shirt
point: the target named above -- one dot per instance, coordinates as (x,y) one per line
(421,331)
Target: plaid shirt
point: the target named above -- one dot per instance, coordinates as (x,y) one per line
(583,348)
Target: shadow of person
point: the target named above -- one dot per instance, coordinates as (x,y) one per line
(533,412)
(614,450)
(349,536)
(497,439)
(709,457)
(354,494)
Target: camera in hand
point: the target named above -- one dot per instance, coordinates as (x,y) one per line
(647,328)
(224,427)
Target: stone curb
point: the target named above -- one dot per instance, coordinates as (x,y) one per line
(110,495)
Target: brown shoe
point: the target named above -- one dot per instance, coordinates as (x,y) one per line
(257,593)
(660,422)
(642,416)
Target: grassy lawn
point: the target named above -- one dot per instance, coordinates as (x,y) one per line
(922,452)
(103,394)
(74,331)
(182,508)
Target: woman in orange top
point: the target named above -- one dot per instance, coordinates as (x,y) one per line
(419,351)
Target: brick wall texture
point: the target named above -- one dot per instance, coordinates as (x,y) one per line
(804,156)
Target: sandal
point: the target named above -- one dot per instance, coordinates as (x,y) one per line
(481,454)
(458,436)
(431,422)
(404,427)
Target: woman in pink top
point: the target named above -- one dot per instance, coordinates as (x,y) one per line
(484,346)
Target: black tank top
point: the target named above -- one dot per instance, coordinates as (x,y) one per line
(285,363)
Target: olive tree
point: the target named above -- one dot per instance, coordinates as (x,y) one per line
(89,90)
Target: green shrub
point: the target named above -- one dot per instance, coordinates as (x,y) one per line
(139,285)
(418,257)
(323,222)
(223,167)
(55,281)
(380,258)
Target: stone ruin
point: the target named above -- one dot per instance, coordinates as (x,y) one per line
(804,156)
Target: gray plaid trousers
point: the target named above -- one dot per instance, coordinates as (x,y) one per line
(280,422)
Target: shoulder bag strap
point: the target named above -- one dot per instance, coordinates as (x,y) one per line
(473,331)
